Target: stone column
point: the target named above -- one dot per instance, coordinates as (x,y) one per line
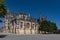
(19,27)
(14,28)
(24,27)
(31,28)
(6,26)
(35,27)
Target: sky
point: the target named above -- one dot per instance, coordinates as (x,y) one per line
(49,8)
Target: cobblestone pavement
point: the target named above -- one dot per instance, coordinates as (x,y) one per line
(5,36)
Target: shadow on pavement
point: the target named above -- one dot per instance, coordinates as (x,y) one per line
(2,36)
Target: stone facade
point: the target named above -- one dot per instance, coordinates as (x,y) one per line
(20,23)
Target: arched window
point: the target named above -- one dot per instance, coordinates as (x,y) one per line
(27,25)
(33,26)
(21,24)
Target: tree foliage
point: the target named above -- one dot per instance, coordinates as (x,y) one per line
(2,8)
(48,26)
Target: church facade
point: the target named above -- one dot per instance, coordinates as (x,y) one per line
(20,23)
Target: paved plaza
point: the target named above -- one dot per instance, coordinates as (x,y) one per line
(8,36)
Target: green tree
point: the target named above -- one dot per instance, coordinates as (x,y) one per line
(48,26)
(2,8)
(44,26)
(52,27)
